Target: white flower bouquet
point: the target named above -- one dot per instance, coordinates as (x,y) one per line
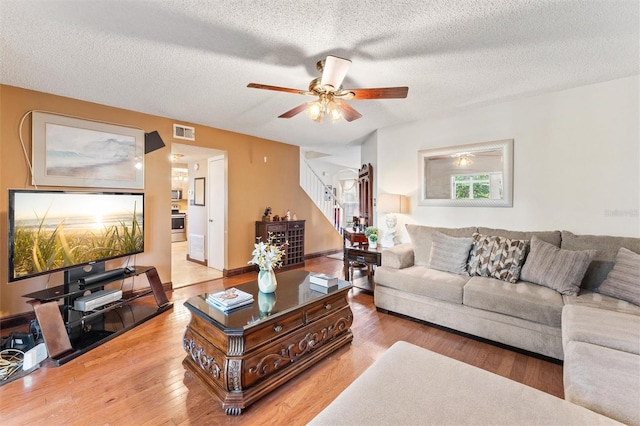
(268,255)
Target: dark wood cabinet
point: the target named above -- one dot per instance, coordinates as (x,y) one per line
(365,191)
(291,231)
(242,355)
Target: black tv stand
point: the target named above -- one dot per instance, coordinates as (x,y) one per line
(87,330)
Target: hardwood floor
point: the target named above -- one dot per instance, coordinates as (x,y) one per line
(138,379)
(185,272)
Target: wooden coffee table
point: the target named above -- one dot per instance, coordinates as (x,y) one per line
(241,356)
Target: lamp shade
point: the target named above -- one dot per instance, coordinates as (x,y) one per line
(390,203)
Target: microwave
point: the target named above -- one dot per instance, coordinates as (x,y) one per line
(176,194)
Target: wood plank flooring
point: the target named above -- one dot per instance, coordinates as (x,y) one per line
(138,379)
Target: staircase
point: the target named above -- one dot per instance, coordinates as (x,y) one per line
(321,194)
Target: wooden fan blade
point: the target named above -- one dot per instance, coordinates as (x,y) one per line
(378,93)
(295,111)
(278,89)
(334,71)
(348,112)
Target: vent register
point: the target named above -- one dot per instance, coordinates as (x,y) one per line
(184,132)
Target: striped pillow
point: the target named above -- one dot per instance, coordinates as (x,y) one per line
(623,281)
(550,266)
(449,254)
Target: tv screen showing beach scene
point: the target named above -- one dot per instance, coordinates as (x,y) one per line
(57,230)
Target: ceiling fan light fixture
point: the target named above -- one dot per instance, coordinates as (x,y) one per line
(315,110)
(328,89)
(333,111)
(463,161)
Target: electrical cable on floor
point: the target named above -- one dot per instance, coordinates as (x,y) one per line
(10,362)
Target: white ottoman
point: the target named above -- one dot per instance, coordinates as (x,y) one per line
(409,385)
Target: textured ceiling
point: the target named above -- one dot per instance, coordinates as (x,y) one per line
(192,60)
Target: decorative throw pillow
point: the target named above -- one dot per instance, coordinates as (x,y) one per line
(497,257)
(550,266)
(449,254)
(623,281)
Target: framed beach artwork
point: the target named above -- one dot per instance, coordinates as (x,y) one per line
(69,151)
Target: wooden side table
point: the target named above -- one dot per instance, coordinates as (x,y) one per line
(371,257)
(355,238)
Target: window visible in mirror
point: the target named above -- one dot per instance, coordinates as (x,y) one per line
(475,187)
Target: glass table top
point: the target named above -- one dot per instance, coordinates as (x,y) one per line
(293,292)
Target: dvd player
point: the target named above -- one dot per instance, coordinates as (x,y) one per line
(96,299)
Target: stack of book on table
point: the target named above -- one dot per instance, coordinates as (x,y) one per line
(323,283)
(229,299)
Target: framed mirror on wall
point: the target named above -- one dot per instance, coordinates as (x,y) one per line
(467,175)
(198,191)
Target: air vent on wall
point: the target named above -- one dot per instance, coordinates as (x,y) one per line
(184,132)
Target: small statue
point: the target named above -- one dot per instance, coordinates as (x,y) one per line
(266,217)
(288,215)
(276,218)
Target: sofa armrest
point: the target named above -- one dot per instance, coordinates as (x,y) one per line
(398,257)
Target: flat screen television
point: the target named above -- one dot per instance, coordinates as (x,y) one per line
(52,231)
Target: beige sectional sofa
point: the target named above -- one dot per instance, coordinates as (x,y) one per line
(549,292)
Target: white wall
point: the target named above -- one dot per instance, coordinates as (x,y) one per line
(576,161)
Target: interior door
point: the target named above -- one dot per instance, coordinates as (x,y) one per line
(216,221)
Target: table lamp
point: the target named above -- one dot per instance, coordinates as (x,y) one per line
(390,204)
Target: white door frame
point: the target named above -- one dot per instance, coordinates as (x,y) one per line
(217,212)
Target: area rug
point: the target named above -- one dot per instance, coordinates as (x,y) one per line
(409,385)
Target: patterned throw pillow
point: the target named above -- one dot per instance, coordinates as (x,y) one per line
(449,254)
(559,269)
(623,281)
(497,257)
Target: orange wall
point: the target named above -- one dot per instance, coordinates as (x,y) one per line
(252,185)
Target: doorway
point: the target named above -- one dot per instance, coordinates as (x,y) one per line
(195,161)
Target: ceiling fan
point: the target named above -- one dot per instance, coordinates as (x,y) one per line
(331,95)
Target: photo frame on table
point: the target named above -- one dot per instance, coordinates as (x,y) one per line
(68,151)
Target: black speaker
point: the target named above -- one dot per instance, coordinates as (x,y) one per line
(21,341)
(152,141)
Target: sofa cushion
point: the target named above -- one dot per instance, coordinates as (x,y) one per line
(561,270)
(601,327)
(421,239)
(623,281)
(423,281)
(498,257)
(398,257)
(449,254)
(601,301)
(551,237)
(524,300)
(606,250)
(599,379)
